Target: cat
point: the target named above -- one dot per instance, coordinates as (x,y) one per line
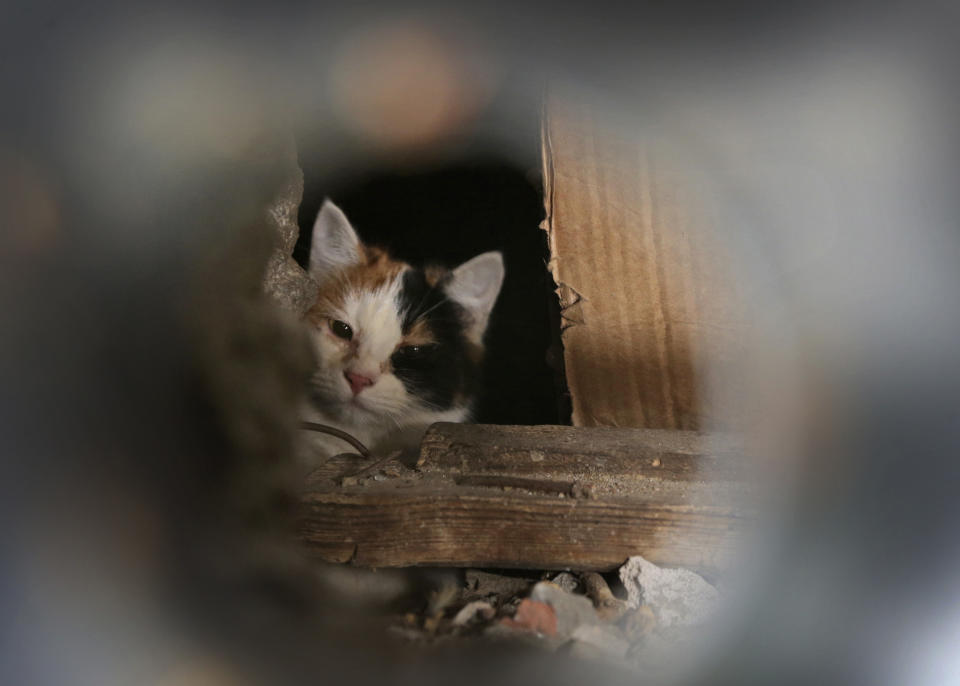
(397,347)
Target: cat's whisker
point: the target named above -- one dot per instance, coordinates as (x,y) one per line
(443,300)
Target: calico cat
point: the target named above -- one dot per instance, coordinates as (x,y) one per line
(397,347)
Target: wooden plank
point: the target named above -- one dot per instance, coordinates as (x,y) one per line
(529,497)
(570,453)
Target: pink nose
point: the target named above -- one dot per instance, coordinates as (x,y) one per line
(357,381)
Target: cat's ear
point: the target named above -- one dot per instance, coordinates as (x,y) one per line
(475,285)
(334,244)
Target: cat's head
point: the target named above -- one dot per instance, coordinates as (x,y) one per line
(394,342)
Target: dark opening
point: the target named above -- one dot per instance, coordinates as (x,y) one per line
(448,214)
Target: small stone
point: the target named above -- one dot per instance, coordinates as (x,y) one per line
(677,597)
(567,581)
(603,638)
(571,610)
(533,616)
(609,608)
(471,612)
(484,584)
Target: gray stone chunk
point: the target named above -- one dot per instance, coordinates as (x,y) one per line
(678,597)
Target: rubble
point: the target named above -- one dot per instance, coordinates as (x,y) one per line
(536,616)
(478,609)
(677,597)
(576,614)
(567,581)
(608,607)
(599,640)
(484,584)
(572,610)
(639,623)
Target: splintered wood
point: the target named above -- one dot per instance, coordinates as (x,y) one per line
(544,497)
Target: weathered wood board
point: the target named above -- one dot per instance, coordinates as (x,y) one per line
(545,497)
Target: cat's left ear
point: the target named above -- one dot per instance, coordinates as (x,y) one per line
(334,244)
(475,285)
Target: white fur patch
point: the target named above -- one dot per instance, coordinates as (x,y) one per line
(383,415)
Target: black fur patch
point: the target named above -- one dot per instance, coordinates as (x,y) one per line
(442,372)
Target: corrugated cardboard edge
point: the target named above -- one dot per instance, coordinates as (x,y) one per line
(568,295)
(562,382)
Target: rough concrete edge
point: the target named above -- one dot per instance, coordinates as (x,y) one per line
(284,280)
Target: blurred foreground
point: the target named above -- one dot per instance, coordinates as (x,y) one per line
(148,386)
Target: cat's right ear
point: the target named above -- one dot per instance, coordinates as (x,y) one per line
(334,244)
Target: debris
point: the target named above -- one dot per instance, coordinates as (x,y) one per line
(472,611)
(484,584)
(677,597)
(639,623)
(609,608)
(571,611)
(599,640)
(567,581)
(533,616)
(442,596)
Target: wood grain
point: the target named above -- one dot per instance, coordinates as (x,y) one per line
(534,497)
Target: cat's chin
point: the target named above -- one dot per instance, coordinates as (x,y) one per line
(352,408)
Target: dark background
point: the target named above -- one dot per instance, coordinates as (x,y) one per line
(447,213)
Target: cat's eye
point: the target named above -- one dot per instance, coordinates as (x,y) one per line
(416,350)
(341,329)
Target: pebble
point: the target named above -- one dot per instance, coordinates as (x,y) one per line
(533,616)
(567,581)
(572,611)
(470,612)
(609,608)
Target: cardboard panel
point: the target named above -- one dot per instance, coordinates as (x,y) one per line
(644,283)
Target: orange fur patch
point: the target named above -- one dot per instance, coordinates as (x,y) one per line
(376,269)
(434,274)
(419,334)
